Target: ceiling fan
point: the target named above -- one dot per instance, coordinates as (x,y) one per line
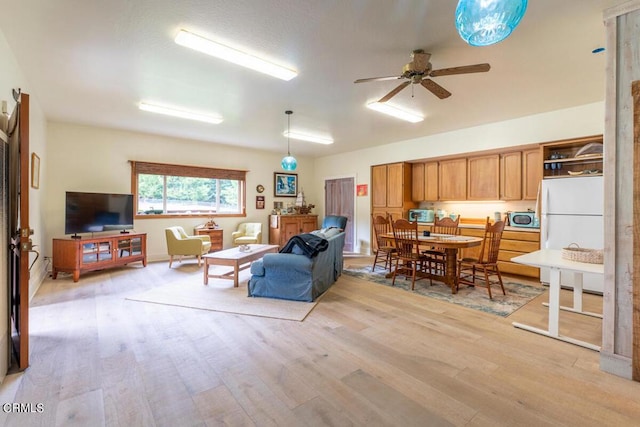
(419,70)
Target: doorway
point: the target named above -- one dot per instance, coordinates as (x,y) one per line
(339,200)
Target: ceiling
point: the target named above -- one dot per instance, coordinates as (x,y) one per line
(93,61)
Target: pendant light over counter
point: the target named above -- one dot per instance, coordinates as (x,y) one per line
(485,22)
(289,163)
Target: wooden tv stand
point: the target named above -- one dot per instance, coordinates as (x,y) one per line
(77,256)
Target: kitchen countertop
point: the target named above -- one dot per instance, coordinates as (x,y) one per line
(481,226)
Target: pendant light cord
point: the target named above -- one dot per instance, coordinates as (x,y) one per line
(288,113)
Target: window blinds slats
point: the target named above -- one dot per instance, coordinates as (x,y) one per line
(192,171)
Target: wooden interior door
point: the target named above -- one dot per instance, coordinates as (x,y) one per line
(339,200)
(19,233)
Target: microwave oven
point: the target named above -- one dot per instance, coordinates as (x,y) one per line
(421,215)
(523,219)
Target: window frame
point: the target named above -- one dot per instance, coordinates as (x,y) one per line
(166,169)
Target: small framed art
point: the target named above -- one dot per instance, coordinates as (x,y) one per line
(285,184)
(35,170)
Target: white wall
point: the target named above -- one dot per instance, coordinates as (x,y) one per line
(92,159)
(568,123)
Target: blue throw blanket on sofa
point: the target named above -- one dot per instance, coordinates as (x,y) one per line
(308,244)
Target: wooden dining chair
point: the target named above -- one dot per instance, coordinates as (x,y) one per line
(405,234)
(486,265)
(385,250)
(437,257)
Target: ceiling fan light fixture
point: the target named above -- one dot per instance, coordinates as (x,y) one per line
(289,163)
(486,22)
(307,137)
(209,47)
(183,114)
(399,113)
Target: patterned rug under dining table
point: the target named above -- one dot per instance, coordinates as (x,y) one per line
(451,244)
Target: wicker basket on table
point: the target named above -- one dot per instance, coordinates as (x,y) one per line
(575,253)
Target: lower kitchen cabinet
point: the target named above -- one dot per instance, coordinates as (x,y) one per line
(513,243)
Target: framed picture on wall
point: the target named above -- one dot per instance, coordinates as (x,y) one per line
(285,184)
(259,202)
(35,170)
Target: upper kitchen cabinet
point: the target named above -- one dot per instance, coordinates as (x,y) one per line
(431,181)
(391,189)
(573,157)
(424,185)
(379,186)
(511,172)
(452,179)
(417,182)
(531,173)
(483,177)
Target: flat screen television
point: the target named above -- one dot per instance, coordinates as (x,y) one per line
(95,212)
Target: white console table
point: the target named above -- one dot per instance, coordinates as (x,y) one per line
(552,258)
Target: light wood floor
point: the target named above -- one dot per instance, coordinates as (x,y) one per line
(366,355)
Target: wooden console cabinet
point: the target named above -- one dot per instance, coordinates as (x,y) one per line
(77,256)
(216,235)
(284,227)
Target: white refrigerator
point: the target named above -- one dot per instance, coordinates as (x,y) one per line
(572,212)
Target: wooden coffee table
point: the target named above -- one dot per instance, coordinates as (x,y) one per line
(236,259)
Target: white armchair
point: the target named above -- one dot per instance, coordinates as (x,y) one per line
(248,232)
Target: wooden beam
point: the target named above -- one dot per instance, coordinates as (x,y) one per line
(635,355)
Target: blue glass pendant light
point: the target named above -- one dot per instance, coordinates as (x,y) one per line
(485,22)
(289,163)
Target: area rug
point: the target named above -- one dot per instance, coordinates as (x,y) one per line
(225,298)
(518,294)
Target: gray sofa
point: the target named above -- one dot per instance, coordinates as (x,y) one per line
(295,276)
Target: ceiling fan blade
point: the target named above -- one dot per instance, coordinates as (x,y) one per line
(394,92)
(477,68)
(378,79)
(435,88)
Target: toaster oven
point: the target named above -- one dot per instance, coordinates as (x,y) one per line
(523,219)
(421,215)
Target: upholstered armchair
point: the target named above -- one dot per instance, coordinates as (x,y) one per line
(179,243)
(248,232)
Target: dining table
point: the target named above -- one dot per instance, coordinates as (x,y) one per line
(451,244)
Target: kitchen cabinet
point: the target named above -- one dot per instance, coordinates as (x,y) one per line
(531,173)
(424,180)
(398,184)
(417,182)
(379,186)
(511,176)
(483,177)
(452,179)
(391,186)
(512,244)
(431,181)
(284,227)
(561,159)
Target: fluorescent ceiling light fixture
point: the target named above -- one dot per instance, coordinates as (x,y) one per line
(307,137)
(183,114)
(195,42)
(399,113)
